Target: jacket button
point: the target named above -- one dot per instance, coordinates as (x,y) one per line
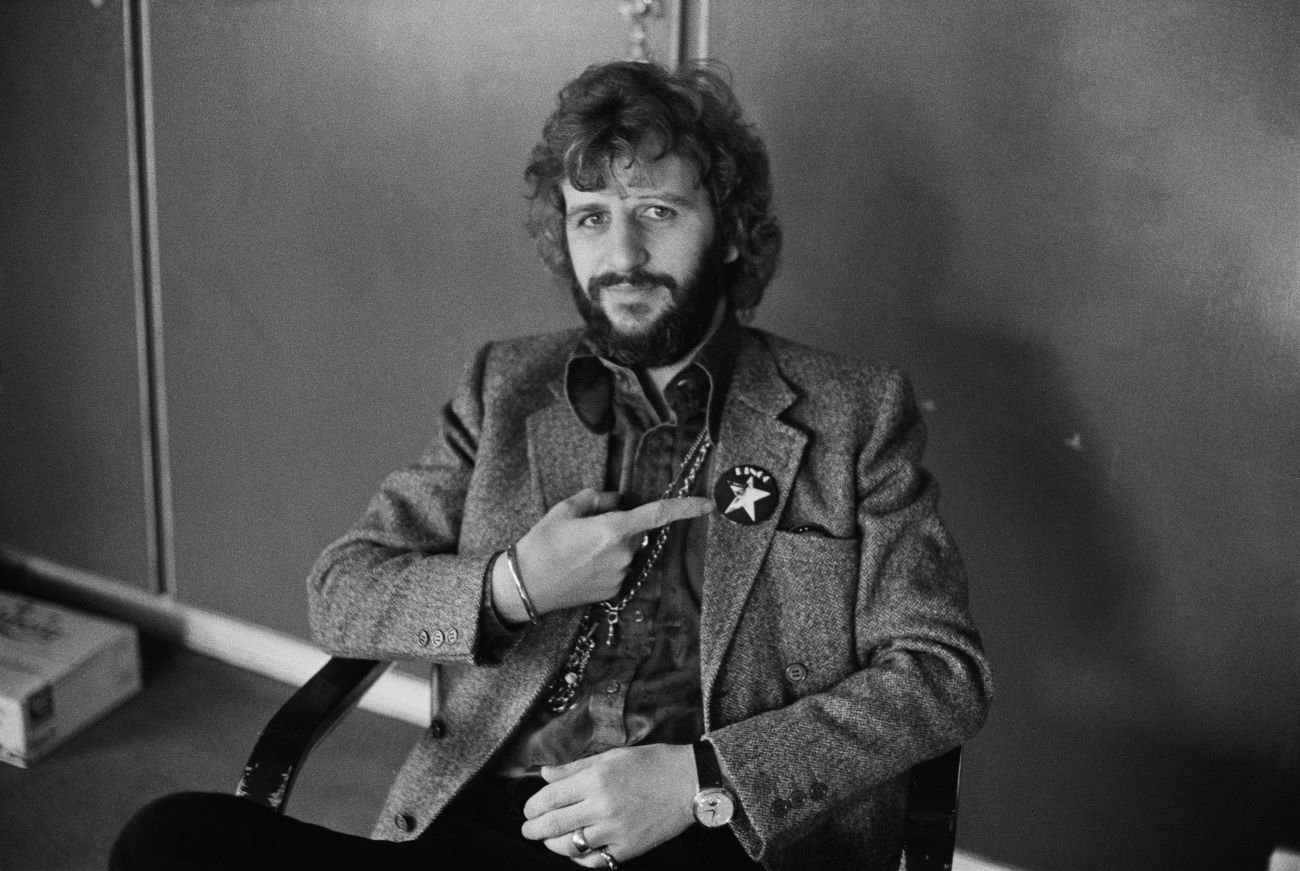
(439,638)
(453,635)
(795,672)
(780,808)
(438,728)
(818,791)
(404,822)
(423,637)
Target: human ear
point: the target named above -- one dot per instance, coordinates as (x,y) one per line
(732,252)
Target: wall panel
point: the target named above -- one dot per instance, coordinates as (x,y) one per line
(73,474)
(341,197)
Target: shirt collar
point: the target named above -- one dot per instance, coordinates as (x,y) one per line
(591,381)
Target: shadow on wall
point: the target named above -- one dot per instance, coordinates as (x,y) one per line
(1089,282)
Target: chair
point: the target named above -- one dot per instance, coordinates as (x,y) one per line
(314,709)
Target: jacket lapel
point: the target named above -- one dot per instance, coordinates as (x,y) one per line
(751,433)
(564,455)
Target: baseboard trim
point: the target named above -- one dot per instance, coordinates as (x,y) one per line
(963,861)
(247,645)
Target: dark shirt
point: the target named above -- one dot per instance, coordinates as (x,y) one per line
(645,688)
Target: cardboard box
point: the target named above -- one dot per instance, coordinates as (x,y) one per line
(59,671)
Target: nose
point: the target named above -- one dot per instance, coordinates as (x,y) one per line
(626,247)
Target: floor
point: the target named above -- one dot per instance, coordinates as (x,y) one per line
(191,728)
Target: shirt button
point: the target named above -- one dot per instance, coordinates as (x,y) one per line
(404,822)
(439,638)
(795,672)
(614,686)
(638,616)
(423,638)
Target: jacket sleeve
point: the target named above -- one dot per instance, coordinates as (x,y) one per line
(921,684)
(394,586)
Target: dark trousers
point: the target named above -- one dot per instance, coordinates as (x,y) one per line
(194,831)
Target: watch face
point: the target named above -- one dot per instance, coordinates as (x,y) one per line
(714,807)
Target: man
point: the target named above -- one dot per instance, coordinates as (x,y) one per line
(690,596)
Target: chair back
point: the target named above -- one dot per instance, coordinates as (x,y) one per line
(930,832)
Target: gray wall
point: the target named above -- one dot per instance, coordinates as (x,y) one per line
(74,481)
(1074,222)
(341,202)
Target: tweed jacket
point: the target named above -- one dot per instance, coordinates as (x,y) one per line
(836,647)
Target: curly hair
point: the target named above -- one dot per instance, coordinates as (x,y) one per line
(613,111)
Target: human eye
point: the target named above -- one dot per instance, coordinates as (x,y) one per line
(588,220)
(657,212)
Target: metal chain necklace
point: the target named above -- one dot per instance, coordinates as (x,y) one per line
(564,692)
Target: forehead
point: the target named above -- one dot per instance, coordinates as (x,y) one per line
(671,175)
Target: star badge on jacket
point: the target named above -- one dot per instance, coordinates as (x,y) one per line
(746,495)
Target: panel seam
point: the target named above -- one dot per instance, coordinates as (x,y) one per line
(149,331)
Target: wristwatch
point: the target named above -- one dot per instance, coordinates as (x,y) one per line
(714,805)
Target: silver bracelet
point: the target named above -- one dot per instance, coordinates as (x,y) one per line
(512,561)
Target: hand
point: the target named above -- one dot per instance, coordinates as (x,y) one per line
(628,800)
(580,551)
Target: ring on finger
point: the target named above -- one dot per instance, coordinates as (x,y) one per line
(579,841)
(608,857)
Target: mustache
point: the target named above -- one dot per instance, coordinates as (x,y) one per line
(641,279)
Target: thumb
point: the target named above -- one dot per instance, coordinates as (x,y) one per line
(552,773)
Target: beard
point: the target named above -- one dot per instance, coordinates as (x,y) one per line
(673,334)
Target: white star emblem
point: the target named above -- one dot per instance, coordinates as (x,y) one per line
(746,497)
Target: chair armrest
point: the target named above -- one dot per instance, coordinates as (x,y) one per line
(306,718)
(930,830)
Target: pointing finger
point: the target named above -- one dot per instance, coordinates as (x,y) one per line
(587,502)
(652,515)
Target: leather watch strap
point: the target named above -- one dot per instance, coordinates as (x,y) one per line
(707,769)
